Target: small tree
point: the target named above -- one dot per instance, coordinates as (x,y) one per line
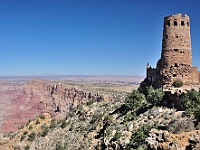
(154,96)
(135,100)
(191,103)
(178,83)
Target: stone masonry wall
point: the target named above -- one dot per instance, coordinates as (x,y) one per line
(176,57)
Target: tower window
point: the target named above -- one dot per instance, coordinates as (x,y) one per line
(188,23)
(176,65)
(168,23)
(175,23)
(166,36)
(175,50)
(182,23)
(176,36)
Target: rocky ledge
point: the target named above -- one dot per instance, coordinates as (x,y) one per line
(164,140)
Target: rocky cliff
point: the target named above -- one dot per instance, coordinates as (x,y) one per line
(40,96)
(8,91)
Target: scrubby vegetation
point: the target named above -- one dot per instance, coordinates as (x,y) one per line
(139,136)
(178,83)
(111,124)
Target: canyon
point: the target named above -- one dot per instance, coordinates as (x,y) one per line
(23,99)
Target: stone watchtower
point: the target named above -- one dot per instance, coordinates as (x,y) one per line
(176,43)
(176,56)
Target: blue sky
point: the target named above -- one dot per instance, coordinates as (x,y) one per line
(87,37)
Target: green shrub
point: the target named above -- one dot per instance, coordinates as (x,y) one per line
(25,133)
(31,136)
(191,103)
(21,127)
(64,124)
(154,96)
(72,114)
(139,136)
(92,126)
(108,119)
(22,137)
(42,116)
(178,83)
(26,147)
(80,107)
(71,128)
(39,134)
(30,127)
(53,124)
(135,100)
(90,102)
(117,135)
(59,146)
(66,117)
(129,116)
(37,121)
(45,132)
(96,117)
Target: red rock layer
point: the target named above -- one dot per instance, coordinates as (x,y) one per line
(39,96)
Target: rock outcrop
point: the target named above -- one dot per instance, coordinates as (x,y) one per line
(164,140)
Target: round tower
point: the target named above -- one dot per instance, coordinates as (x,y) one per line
(176,42)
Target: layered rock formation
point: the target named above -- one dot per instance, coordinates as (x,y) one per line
(8,91)
(39,96)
